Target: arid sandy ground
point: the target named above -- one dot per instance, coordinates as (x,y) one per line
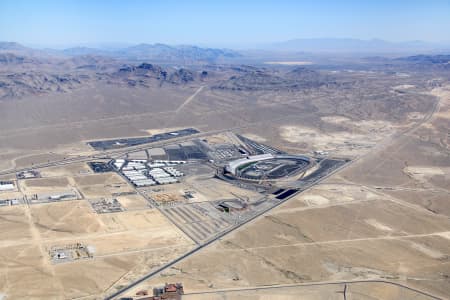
(353,291)
(126,243)
(39,129)
(359,224)
(383,217)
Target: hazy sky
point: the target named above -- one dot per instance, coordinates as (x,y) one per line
(219,23)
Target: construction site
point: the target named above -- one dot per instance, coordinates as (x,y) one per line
(70,253)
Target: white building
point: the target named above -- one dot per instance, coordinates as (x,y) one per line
(233,165)
(6,187)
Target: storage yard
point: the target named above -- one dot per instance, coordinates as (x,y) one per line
(105,206)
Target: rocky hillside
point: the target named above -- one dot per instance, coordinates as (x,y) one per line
(427,59)
(183,54)
(252,79)
(21,76)
(17,85)
(145,73)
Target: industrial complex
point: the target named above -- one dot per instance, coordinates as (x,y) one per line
(204,187)
(147,173)
(7,186)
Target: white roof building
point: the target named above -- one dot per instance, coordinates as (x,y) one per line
(233,165)
(7,187)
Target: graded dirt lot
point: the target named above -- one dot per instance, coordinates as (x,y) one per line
(14,219)
(65,219)
(102,185)
(11,195)
(133,202)
(44,183)
(215,189)
(28,160)
(125,243)
(340,135)
(71,170)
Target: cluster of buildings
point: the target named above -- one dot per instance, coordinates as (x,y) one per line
(6,186)
(137,173)
(320,153)
(44,198)
(70,252)
(170,291)
(104,206)
(173,172)
(28,174)
(9,202)
(141,173)
(161,176)
(165,163)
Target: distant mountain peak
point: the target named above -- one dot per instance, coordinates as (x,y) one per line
(10,46)
(350,45)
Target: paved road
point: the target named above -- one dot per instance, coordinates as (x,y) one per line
(110,153)
(188,100)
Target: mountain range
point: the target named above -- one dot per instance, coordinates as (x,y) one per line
(156,52)
(348,45)
(189,54)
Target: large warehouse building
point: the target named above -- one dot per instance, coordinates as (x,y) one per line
(6,186)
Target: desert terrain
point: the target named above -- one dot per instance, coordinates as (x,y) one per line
(377,227)
(384,218)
